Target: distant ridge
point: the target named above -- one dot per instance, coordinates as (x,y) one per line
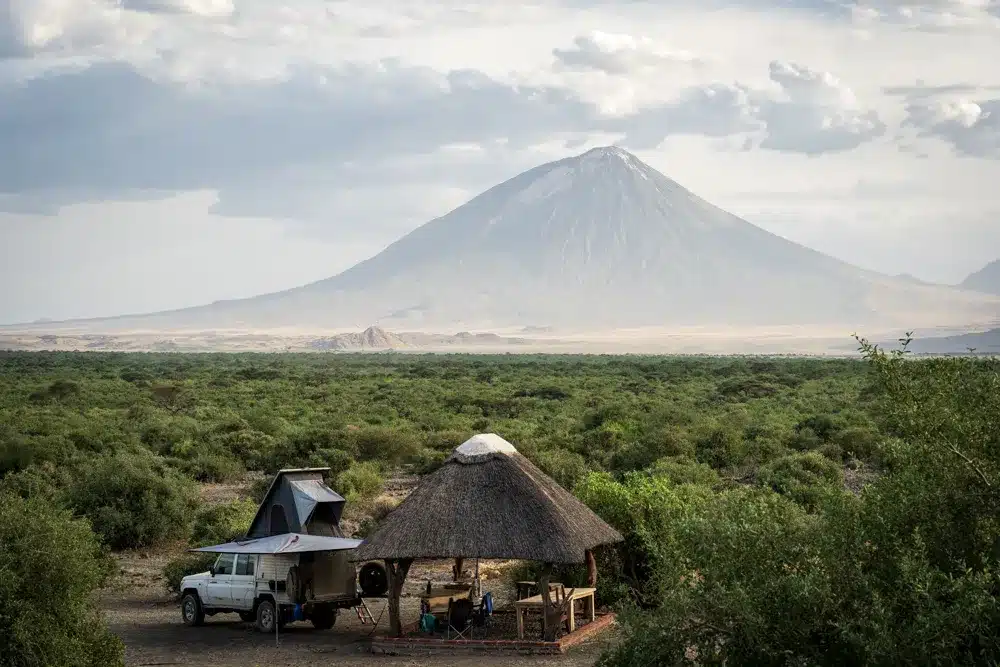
(986,280)
(593,242)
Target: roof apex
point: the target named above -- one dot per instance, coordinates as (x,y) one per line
(484,444)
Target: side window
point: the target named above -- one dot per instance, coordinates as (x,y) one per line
(245,564)
(225,564)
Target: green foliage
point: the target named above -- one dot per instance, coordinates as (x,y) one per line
(904,574)
(804,477)
(682,470)
(215,417)
(222,523)
(184,566)
(50,565)
(133,499)
(361,481)
(378,511)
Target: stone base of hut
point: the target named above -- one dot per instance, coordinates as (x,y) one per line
(413,644)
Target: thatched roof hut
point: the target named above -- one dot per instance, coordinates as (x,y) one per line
(486,501)
(489,501)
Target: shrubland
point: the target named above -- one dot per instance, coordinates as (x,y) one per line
(775,510)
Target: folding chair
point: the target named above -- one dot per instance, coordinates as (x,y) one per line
(460,614)
(483,614)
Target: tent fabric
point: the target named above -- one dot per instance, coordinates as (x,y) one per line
(310,492)
(288,543)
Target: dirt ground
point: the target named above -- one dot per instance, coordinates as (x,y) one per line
(148,620)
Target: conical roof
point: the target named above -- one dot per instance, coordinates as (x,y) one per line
(488,501)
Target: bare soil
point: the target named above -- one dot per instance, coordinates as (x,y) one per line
(147,617)
(148,620)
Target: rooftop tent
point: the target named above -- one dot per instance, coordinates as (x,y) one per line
(299,501)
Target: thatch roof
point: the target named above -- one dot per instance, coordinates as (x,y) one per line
(488,501)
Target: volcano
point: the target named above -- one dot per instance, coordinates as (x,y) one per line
(593,242)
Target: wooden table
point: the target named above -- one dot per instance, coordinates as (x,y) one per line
(525,589)
(572,595)
(437,600)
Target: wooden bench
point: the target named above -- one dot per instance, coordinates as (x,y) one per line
(535,602)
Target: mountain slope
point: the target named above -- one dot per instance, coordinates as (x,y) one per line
(592,242)
(985,343)
(986,280)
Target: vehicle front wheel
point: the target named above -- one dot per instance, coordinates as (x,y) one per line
(323,618)
(191,610)
(266,616)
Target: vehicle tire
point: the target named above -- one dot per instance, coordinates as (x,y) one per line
(192,613)
(266,617)
(373,580)
(323,617)
(248,616)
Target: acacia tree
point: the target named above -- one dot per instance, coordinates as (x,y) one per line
(50,565)
(906,574)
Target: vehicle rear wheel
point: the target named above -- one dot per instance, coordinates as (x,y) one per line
(266,616)
(192,612)
(323,617)
(373,579)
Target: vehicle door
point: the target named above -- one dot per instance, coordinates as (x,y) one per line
(217,591)
(244,581)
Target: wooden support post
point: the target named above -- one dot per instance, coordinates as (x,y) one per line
(457,571)
(397,571)
(548,626)
(591,569)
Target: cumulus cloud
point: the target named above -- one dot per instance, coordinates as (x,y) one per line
(805,112)
(205,8)
(971,127)
(619,54)
(932,15)
(109,129)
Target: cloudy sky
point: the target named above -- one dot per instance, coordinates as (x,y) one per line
(164,153)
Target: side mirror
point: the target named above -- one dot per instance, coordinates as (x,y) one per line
(211,570)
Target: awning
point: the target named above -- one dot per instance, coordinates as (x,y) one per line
(289,543)
(310,492)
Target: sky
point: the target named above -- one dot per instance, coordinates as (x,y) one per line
(167,153)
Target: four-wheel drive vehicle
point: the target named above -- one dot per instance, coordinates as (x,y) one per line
(268,588)
(293,564)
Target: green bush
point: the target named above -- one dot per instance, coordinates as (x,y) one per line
(565,467)
(50,566)
(388,445)
(379,510)
(644,452)
(133,499)
(222,523)
(184,566)
(682,470)
(428,460)
(361,481)
(803,477)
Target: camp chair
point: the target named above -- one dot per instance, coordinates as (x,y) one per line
(460,614)
(482,613)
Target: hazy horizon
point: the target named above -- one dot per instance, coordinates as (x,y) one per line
(192,151)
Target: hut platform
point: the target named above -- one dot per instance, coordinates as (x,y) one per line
(500,640)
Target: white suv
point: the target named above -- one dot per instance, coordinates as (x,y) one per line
(268,588)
